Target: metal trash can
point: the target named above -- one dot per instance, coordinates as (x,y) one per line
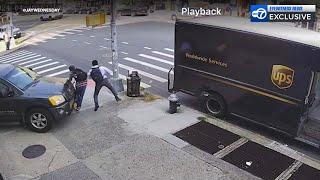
(133,84)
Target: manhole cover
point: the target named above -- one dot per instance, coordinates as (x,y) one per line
(33,151)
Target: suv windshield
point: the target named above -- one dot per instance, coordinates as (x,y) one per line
(21,77)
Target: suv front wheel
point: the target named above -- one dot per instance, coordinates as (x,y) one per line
(39,120)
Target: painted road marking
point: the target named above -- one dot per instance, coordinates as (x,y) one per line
(163,54)
(54,34)
(168,49)
(147,64)
(46,37)
(156,59)
(33,60)
(54,68)
(45,65)
(87,42)
(4,58)
(103,47)
(157,78)
(58,73)
(17,58)
(225,151)
(142,84)
(147,48)
(124,52)
(106,39)
(124,42)
(32,43)
(74,40)
(92,36)
(80,34)
(21,60)
(37,40)
(37,63)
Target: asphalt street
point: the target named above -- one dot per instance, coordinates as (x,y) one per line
(146,46)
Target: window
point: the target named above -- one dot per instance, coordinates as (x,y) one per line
(21,77)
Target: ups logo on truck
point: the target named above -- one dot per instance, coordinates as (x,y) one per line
(282,76)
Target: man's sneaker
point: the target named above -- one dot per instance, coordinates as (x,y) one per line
(118,99)
(96,108)
(78,108)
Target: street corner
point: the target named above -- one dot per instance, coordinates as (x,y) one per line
(26,155)
(148,157)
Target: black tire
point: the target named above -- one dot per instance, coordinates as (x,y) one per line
(215,105)
(44,125)
(41,18)
(50,18)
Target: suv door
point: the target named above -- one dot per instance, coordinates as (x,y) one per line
(8,111)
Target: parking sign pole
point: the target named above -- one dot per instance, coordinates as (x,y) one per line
(116,81)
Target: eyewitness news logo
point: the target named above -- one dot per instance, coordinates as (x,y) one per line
(282,13)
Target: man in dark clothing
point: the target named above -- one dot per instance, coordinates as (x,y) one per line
(81,84)
(101,77)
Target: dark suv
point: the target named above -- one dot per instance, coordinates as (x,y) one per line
(33,100)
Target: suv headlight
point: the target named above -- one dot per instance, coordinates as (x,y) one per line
(56,100)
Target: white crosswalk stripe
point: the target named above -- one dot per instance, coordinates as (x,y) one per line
(17,58)
(54,34)
(163,54)
(37,63)
(31,43)
(168,49)
(36,39)
(142,84)
(45,65)
(47,37)
(58,73)
(5,58)
(23,59)
(51,69)
(156,59)
(33,60)
(157,78)
(147,64)
(13,54)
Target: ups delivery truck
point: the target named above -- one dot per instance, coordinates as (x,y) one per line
(267,73)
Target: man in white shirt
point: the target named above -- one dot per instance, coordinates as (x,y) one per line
(6,38)
(101,77)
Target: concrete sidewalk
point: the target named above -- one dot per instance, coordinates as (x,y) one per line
(131,139)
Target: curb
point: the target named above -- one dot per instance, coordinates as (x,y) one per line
(12,50)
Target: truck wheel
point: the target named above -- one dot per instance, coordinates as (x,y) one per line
(215,105)
(50,18)
(39,120)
